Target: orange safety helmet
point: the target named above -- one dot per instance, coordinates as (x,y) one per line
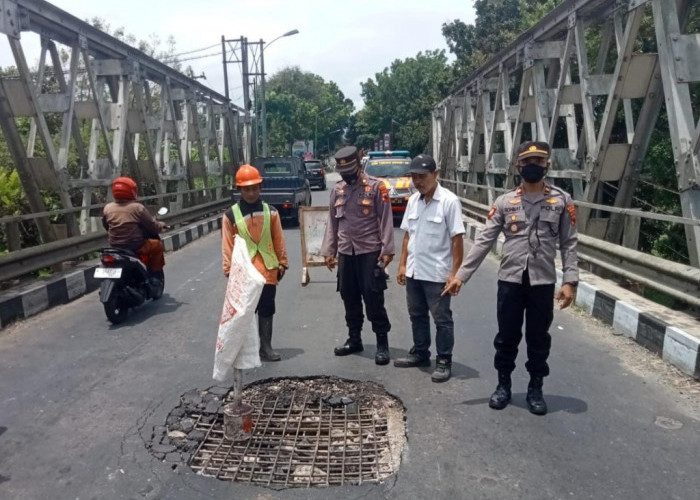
(124,188)
(247,176)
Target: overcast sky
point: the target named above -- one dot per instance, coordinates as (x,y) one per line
(346,42)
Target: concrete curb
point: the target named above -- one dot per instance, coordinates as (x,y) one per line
(61,288)
(672,335)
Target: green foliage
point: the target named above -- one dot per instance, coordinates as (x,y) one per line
(296,103)
(531,11)
(402,98)
(497,24)
(10,191)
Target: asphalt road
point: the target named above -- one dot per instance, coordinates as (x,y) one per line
(77,397)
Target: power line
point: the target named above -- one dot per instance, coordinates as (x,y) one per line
(193,51)
(171,61)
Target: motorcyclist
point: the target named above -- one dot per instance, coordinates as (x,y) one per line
(130,225)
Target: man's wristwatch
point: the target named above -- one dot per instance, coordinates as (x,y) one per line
(572,283)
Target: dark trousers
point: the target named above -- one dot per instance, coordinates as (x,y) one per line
(358,279)
(266,304)
(423,298)
(536,303)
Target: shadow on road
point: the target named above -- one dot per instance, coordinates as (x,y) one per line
(554,403)
(166,304)
(289,353)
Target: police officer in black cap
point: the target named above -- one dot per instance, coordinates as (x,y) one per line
(359,238)
(534,218)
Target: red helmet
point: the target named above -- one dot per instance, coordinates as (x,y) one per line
(247,176)
(124,188)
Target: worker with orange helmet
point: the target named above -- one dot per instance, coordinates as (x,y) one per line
(130,225)
(259,225)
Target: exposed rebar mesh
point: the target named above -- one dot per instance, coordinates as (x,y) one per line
(299,440)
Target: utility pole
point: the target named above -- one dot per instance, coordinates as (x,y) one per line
(247,129)
(223,53)
(263,107)
(252,67)
(239,55)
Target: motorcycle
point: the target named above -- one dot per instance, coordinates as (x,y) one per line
(127,282)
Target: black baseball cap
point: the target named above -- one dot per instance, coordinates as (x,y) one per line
(422,164)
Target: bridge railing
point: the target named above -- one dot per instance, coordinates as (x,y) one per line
(29,260)
(682,282)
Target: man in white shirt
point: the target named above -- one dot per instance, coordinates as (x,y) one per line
(431,254)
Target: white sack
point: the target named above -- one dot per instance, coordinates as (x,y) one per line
(238,344)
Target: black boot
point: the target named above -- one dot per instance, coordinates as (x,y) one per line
(265,332)
(535,399)
(382,355)
(352,345)
(501,396)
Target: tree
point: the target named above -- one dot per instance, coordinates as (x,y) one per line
(296,107)
(402,98)
(498,23)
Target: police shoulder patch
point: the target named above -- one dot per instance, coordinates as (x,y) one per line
(384,192)
(572,213)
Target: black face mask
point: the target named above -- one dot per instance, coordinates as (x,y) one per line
(532,172)
(350,178)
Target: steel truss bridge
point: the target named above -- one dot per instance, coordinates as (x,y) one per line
(598,113)
(144,117)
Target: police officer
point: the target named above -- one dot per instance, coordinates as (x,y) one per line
(533,218)
(360,233)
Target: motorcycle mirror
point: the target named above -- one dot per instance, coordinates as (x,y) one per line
(163,210)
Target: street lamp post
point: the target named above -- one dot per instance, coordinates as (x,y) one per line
(263,107)
(328,137)
(316,148)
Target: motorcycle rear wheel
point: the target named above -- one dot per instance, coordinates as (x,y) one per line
(158,292)
(114,309)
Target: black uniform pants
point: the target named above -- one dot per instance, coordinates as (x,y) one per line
(536,304)
(359,278)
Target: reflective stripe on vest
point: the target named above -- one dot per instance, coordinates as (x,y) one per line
(264,246)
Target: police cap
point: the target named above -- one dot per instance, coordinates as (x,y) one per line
(346,159)
(533,148)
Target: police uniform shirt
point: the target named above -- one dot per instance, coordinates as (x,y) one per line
(360,219)
(532,226)
(431,227)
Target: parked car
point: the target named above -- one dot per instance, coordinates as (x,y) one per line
(316,173)
(392,167)
(285,185)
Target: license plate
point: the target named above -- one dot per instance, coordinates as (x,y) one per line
(108,272)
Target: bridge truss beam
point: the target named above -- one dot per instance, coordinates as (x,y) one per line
(598,116)
(144,118)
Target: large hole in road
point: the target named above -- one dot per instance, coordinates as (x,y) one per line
(313,431)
